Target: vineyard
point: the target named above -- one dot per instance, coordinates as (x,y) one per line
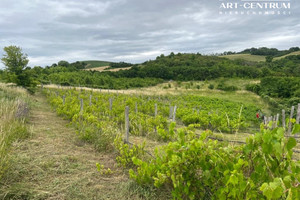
(182,157)
(150,100)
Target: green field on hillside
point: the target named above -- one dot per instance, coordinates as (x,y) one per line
(256,58)
(201,88)
(290,54)
(96,63)
(248,57)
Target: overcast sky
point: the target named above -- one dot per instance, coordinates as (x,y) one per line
(137,30)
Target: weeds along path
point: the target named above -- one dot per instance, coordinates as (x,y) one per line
(53,164)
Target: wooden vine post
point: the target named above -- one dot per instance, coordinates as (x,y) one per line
(298,114)
(174,114)
(290,120)
(265,120)
(110,104)
(283,118)
(171,112)
(277,119)
(90,100)
(126,138)
(155,114)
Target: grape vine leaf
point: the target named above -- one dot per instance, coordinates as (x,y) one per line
(296,129)
(291,143)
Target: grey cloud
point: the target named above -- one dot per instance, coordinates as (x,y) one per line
(135,30)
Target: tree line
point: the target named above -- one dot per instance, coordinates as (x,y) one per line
(186,67)
(263,51)
(180,67)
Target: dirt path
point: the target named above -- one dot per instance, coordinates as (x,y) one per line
(53,164)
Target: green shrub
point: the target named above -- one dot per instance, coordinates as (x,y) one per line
(226,88)
(211,86)
(253,88)
(196,167)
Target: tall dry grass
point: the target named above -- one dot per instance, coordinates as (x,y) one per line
(14,111)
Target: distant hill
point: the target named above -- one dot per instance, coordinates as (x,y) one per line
(95,63)
(247,57)
(260,54)
(265,51)
(256,58)
(290,54)
(173,67)
(188,66)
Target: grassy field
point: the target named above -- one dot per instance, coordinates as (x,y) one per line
(256,58)
(96,63)
(200,88)
(290,54)
(248,57)
(14,111)
(106,68)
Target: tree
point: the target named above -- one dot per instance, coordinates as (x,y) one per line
(63,63)
(14,60)
(269,59)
